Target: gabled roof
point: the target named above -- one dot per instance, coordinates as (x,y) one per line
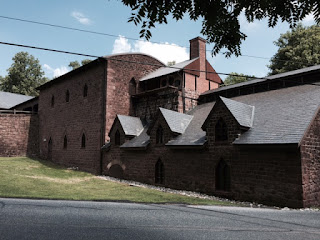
(177,122)
(8,100)
(281,116)
(132,126)
(138,142)
(194,136)
(242,112)
(168,70)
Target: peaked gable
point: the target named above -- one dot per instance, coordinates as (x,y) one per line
(242,112)
(177,122)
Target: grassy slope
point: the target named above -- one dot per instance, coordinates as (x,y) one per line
(26,178)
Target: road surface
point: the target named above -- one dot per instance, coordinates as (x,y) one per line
(46,219)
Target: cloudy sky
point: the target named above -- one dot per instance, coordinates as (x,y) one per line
(169,42)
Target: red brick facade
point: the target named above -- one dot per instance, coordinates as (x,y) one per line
(310,162)
(19,134)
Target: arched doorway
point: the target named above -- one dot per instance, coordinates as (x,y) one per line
(116,171)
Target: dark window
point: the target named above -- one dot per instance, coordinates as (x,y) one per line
(85,90)
(50,149)
(171,80)
(65,142)
(52,101)
(35,108)
(159,172)
(159,135)
(117,138)
(177,83)
(132,86)
(221,131)
(209,85)
(163,83)
(83,141)
(67,96)
(223,176)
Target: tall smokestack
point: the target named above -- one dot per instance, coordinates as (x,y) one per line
(198,49)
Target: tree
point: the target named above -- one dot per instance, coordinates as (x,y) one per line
(234,78)
(220,19)
(24,75)
(298,48)
(171,63)
(76,64)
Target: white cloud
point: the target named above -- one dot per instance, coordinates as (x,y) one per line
(56,72)
(308,20)
(121,45)
(247,26)
(81,18)
(165,52)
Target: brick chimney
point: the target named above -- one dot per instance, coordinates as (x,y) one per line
(198,49)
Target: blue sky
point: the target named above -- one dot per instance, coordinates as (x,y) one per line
(110,16)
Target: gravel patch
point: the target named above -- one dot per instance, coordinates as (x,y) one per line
(201,195)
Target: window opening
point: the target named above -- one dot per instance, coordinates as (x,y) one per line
(67,96)
(117,138)
(159,172)
(65,142)
(221,131)
(83,141)
(52,101)
(159,135)
(223,176)
(85,90)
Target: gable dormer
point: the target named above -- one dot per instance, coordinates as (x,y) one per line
(227,120)
(167,125)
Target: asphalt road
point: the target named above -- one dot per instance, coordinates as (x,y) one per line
(43,219)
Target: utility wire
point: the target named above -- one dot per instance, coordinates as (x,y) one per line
(142,63)
(116,36)
(121,60)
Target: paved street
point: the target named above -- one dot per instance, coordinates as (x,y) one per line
(42,219)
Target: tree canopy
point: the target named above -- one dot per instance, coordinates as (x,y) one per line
(234,78)
(76,64)
(298,48)
(24,75)
(220,19)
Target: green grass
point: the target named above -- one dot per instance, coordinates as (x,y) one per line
(23,177)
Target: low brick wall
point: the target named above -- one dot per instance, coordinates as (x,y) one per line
(19,135)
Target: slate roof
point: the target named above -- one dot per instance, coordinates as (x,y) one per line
(8,100)
(131,126)
(138,142)
(281,116)
(260,80)
(194,135)
(243,113)
(167,70)
(178,122)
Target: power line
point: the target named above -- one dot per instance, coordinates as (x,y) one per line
(120,60)
(116,36)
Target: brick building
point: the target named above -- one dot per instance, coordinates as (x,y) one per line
(132,117)
(256,141)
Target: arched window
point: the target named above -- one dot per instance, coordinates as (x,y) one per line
(83,141)
(50,149)
(65,142)
(223,176)
(132,86)
(159,172)
(159,135)
(85,90)
(67,96)
(52,101)
(117,138)
(221,131)
(171,81)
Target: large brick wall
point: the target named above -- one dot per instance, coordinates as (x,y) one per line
(265,174)
(19,135)
(81,115)
(310,161)
(121,69)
